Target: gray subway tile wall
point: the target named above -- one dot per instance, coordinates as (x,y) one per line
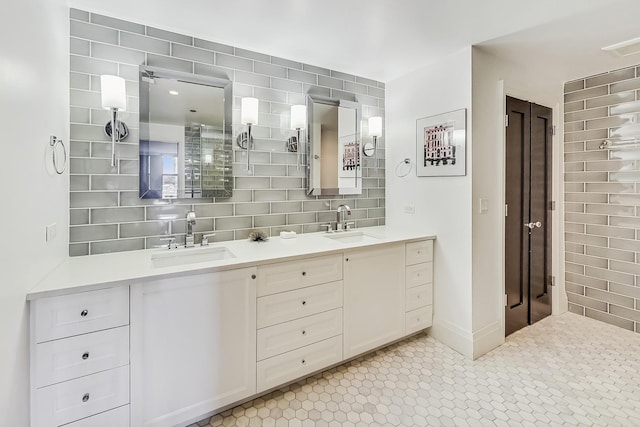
(106,214)
(602,200)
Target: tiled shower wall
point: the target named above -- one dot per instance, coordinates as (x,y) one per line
(602,200)
(106,214)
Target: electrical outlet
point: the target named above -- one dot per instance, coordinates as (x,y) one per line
(410,209)
(51,231)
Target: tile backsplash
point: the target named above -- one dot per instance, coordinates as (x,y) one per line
(106,214)
(602,200)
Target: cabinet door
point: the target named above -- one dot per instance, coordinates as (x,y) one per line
(193,341)
(374,298)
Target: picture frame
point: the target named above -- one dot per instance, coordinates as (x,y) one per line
(441,144)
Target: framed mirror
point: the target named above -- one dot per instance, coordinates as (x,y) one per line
(334,148)
(185,146)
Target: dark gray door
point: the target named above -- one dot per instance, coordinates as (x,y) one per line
(528,220)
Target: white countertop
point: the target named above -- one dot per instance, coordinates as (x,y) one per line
(85,273)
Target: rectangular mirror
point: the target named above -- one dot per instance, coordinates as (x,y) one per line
(333,152)
(185,135)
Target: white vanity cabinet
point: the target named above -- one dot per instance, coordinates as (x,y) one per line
(193,345)
(80,359)
(374,297)
(164,349)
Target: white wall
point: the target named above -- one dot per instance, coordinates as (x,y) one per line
(33,105)
(493,79)
(442,205)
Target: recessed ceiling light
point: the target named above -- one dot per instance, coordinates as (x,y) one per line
(174,92)
(625,48)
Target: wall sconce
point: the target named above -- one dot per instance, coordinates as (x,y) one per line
(375,131)
(249,117)
(298,123)
(114,98)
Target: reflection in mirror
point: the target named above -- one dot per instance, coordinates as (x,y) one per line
(185,135)
(333,151)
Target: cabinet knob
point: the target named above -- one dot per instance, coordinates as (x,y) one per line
(419,252)
(85,398)
(304,273)
(304,362)
(85,355)
(304,332)
(84,313)
(346,259)
(253,276)
(304,303)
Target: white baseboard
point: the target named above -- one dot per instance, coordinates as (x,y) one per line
(453,336)
(487,338)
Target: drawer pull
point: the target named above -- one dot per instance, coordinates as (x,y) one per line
(84,313)
(304,303)
(304,273)
(419,252)
(304,362)
(304,332)
(85,398)
(253,276)
(85,355)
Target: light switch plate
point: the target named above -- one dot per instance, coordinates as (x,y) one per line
(484,205)
(51,232)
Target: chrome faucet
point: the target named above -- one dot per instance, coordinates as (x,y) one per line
(191,221)
(340,224)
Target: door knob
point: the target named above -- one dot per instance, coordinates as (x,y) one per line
(533,225)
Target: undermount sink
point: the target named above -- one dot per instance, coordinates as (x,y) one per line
(182,256)
(352,237)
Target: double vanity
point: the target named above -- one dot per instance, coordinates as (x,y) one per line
(168,337)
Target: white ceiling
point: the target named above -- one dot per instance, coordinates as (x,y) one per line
(381,39)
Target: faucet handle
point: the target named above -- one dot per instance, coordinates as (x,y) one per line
(191,217)
(349,225)
(328,226)
(205,239)
(172,242)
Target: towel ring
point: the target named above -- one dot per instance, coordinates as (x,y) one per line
(54,142)
(403,163)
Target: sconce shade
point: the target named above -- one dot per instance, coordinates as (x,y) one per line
(375,126)
(249,111)
(298,116)
(114,94)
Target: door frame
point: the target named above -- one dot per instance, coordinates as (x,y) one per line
(558,296)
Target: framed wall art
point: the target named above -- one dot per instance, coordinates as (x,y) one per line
(441,144)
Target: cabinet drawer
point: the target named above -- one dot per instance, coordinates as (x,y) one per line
(419,296)
(419,319)
(288,336)
(72,400)
(74,357)
(419,274)
(291,305)
(417,252)
(298,363)
(287,276)
(118,417)
(75,314)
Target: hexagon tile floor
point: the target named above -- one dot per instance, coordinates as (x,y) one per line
(563,371)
